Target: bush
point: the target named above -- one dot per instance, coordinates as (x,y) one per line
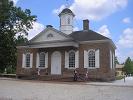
(10,70)
(119,77)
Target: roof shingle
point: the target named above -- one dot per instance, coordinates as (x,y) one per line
(87,36)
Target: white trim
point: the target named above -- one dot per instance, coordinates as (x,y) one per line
(77,59)
(37,60)
(76,65)
(97,58)
(46,60)
(23,60)
(66,59)
(110,59)
(85,59)
(53,29)
(91,50)
(88,58)
(53,44)
(31,60)
(56,63)
(113,60)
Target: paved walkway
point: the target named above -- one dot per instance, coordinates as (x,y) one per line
(128,82)
(35,90)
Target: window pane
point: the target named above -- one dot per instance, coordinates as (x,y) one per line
(91,59)
(42,59)
(27,60)
(68,20)
(72,59)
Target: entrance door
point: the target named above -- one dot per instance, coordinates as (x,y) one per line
(56,63)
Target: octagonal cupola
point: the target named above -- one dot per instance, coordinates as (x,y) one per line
(66,21)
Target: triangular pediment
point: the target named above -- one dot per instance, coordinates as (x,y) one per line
(50,34)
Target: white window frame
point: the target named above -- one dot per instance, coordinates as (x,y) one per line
(40,59)
(94,59)
(72,51)
(97,58)
(24,60)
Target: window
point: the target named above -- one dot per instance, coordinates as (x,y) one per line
(28,60)
(50,35)
(91,58)
(68,20)
(71,59)
(42,59)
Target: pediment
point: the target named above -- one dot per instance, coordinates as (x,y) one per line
(50,34)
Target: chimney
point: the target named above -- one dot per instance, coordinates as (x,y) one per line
(86,24)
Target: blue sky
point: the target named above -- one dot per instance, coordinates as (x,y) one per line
(112,18)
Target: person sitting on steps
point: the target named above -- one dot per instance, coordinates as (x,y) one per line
(75,76)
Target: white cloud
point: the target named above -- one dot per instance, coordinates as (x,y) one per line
(122,54)
(95,9)
(126,20)
(75,29)
(126,39)
(125,45)
(57,11)
(103,30)
(37,28)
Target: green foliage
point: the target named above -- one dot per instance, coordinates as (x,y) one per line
(13,20)
(119,77)
(116,61)
(10,70)
(128,67)
(21,39)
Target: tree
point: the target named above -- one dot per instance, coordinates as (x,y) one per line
(116,61)
(128,67)
(13,20)
(21,39)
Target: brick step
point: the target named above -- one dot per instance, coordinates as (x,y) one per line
(65,78)
(58,78)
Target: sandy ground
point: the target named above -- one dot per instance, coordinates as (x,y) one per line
(32,90)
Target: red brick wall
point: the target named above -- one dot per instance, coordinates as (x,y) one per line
(104,72)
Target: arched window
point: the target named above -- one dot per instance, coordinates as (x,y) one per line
(91,58)
(68,20)
(27,60)
(42,59)
(71,59)
(49,35)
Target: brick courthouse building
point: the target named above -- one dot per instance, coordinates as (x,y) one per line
(57,53)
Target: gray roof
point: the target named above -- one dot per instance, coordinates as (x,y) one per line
(87,35)
(65,11)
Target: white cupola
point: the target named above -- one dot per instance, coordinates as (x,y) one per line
(66,21)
